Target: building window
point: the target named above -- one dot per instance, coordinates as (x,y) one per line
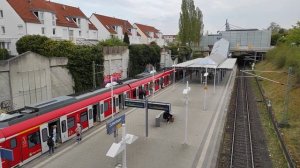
(20,29)
(2,44)
(54,31)
(53,20)
(43,30)
(3,29)
(1,13)
(79,23)
(7,46)
(79,33)
(40,16)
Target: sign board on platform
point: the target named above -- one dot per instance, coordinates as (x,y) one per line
(7,154)
(135,103)
(159,106)
(115,123)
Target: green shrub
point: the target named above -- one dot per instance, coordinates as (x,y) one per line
(140,55)
(34,43)
(112,42)
(3,54)
(80,57)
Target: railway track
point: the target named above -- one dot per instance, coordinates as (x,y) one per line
(242,146)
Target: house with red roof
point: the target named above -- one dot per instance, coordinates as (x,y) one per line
(149,34)
(110,27)
(43,17)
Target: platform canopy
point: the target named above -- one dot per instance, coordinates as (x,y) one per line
(217,59)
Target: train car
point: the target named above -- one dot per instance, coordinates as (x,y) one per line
(25,131)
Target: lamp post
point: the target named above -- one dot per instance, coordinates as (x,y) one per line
(185,93)
(111,90)
(205,88)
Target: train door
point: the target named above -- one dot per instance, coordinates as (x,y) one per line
(96,114)
(44,133)
(101,111)
(126,96)
(116,103)
(90,116)
(63,128)
(121,101)
(134,93)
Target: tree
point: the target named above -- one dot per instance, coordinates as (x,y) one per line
(126,38)
(274,27)
(34,43)
(190,23)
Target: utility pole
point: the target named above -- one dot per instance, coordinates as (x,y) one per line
(94,75)
(284,121)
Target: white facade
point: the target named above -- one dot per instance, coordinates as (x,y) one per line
(144,39)
(103,32)
(15,28)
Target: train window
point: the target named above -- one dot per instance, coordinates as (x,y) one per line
(33,139)
(83,117)
(13,143)
(101,109)
(90,114)
(71,122)
(105,106)
(44,134)
(63,126)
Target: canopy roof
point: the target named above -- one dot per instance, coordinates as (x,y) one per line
(217,59)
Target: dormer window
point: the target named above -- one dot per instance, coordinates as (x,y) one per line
(129,30)
(40,16)
(77,21)
(114,27)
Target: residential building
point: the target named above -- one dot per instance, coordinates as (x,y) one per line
(42,17)
(169,38)
(149,34)
(113,27)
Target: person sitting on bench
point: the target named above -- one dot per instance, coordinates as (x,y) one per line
(167,116)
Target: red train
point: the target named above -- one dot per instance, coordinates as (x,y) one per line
(25,131)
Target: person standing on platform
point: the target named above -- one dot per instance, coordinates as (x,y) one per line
(78,132)
(50,144)
(54,135)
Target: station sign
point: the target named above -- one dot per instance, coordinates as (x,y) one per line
(115,123)
(135,103)
(159,106)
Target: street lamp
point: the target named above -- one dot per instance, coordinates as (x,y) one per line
(185,93)
(205,88)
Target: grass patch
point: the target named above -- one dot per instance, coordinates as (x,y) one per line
(276,155)
(276,93)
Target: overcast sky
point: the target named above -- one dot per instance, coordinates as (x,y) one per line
(164,14)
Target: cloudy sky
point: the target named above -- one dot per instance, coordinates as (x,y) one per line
(164,14)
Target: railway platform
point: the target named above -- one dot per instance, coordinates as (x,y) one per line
(164,146)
